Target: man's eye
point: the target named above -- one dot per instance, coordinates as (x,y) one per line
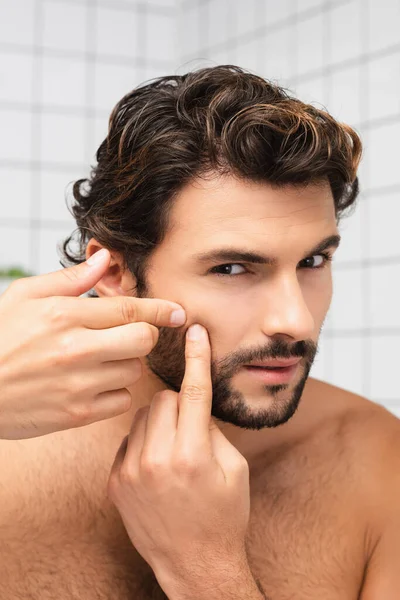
(227,270)
(326,258)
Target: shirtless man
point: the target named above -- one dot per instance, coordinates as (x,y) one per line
(246,252)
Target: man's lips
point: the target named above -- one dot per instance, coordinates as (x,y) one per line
(288,362)
(272,375)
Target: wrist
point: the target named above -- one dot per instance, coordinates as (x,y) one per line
(229,582)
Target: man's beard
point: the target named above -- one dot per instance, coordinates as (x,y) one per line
(167,362)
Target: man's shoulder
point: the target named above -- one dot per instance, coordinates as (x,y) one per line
(361,438)
(353,410)
(367,433)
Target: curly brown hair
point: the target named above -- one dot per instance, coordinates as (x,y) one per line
(176,128)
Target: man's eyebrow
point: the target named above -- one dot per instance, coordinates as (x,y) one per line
(231,254)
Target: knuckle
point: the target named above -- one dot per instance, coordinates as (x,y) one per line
(57,356)
(79,413)
(152,466)
(193,393)
(113,485)
(77,387)
(127,475)
(125,400)
(186,465)
(66,349)
(72,274)
(196,354)
(134,372)
(71,349)
(158,314)
(55,312)
(128,310)
(146,337)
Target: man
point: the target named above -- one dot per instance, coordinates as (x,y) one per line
(219,192)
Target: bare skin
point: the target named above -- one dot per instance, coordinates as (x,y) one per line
(324,484)
(318,511)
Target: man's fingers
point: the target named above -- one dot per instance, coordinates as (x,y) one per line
(195,397)
(71,281)
(95,313)
(121,310)
(113,311)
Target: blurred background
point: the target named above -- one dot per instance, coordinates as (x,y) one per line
(65,63)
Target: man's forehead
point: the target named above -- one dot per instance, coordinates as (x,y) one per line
(227,200)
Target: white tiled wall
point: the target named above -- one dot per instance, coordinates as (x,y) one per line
(64,64)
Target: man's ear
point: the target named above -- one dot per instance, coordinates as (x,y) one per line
(116,280)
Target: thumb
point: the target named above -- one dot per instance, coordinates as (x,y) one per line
(71,281)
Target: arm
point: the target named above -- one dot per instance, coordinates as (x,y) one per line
(382,574)
(382,578)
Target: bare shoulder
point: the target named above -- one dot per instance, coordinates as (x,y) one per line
(356,414)
(369,437)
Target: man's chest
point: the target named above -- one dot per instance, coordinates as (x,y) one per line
(64,539)
(306,541)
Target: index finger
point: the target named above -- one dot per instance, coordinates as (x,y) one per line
(195,396)
(102,313)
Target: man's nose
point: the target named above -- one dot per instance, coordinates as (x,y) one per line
(286,311)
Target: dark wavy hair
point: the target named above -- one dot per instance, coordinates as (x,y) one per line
(176,128)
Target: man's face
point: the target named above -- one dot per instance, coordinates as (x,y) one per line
(252,311)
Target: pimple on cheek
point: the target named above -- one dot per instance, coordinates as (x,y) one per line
(210,327)
(191,320)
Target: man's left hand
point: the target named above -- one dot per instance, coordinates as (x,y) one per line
(181,488)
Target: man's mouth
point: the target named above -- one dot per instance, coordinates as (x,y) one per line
(269,368)
(272,375)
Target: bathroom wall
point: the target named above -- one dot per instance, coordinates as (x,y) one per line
(64,64)
(343,55)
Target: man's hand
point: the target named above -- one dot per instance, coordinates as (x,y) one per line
(67,362)
(181,487)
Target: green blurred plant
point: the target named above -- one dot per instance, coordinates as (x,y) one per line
(14,272)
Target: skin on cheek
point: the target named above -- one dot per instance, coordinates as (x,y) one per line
(227,323)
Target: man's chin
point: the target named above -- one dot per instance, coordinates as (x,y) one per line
(268,406)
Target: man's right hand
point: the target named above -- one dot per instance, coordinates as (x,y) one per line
(67,361)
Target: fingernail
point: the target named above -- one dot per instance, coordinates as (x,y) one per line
(178,317)
(96,257)
(195,332)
